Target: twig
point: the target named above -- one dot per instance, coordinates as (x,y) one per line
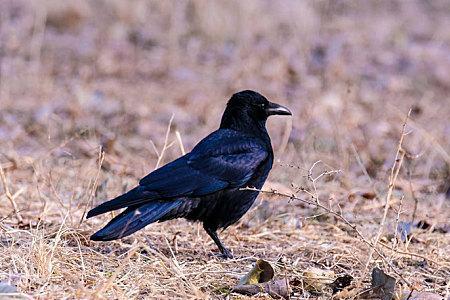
(119,269)
(285,137)
(414,254)
(166,146)
(56,241)
(413,194)
(397,221)
(180,142)
(10,197)
(392,179)
(361,165)
(342,218)
(101,158)
(314,179)
(282,164)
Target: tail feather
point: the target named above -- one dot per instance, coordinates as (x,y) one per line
(131,198)
(135,218)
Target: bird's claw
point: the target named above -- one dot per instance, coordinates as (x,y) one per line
(223,254)
(226,254)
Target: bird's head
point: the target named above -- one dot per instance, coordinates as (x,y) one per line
(248,108)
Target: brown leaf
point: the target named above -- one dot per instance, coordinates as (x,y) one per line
(261,272)
(368,195)
(383,285)
(318,280)
(275,288)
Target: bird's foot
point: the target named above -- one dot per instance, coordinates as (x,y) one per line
(212,233)
(223,254)
(226,254)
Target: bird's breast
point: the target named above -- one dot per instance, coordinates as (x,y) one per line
(224,208)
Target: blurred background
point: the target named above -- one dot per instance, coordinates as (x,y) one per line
(79,75)
(112,73)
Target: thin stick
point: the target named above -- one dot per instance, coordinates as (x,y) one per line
(10,197)
(101,158)
(392,179)
(397,221)
(361,165)
(415,255)
(180,142)
(119,269)
(413,194)
(56,241)
(339,216)
(313,180)
(286,134)
(166,140)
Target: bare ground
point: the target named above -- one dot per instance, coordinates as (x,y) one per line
(78,80)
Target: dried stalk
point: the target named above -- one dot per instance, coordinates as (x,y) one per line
(10,197)
(340,216)
(399,156)
(101,158)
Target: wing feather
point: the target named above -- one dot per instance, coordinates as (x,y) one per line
(224,159)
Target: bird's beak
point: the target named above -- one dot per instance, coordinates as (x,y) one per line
(277,109)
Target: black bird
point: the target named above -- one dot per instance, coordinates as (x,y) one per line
(206,184)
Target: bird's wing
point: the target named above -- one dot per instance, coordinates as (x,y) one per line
(222,160)
(178,179)
(234,161)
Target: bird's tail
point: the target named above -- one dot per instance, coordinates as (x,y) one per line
(133,197)
(135,218)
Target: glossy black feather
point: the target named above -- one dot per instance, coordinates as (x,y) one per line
(209,168)
(206,184)
(133,219)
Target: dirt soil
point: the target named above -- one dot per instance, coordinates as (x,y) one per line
(95,94)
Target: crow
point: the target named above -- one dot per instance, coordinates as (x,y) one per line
(207,184)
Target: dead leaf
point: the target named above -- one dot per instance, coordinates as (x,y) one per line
(368,195)
(420,296)
(383,285)
(318,280)
(261,272)
(275,288)
(259,280)
(341,283)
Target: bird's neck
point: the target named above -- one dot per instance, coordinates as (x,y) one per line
(246,125)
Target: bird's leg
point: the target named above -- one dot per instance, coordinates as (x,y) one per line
(213,234)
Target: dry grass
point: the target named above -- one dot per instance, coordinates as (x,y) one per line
(91,75)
